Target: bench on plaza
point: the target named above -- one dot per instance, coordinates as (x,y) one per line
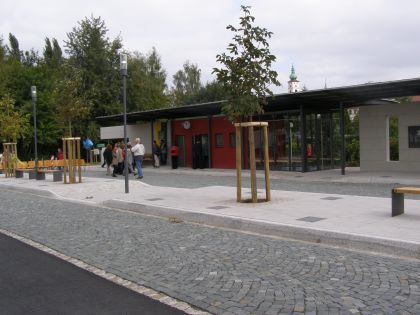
(147,159)
(54,167)
(57,174)
(20,171)
(398,198)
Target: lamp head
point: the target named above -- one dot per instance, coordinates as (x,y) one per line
(33,92)
(123,64)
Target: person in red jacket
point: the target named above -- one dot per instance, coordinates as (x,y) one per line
(174,155)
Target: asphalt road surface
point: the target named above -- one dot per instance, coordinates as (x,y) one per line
(33,282)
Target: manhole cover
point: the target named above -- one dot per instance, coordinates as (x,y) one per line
(310,219)
(154,199)
(331,198)
(217,207)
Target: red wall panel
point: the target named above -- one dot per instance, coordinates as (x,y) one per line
(223,157)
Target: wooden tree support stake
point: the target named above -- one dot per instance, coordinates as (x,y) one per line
(250,126)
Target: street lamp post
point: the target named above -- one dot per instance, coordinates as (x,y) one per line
(123,71)
(33,94)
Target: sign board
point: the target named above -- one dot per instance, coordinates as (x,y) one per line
(100,145)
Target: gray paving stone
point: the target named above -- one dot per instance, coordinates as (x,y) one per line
(218,270)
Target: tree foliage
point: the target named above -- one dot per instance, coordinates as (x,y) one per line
(246,72)
(96,58)
(186,84)
(14,124)
(146,84)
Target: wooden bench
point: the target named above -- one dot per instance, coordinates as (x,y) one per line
(398,198)
(147,159)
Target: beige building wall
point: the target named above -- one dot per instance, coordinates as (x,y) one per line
(374,137)
(141,130)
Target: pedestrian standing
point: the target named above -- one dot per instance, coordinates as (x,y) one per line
(156,154)
(115,154)
(138,153)
(108,158)
(121,155)
(163,152)
(174,155)
(129,158)
(60,157)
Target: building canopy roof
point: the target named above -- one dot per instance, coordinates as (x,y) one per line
(313,100)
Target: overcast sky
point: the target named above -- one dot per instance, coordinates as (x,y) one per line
(342,42)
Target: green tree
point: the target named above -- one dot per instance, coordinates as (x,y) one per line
(13,49)
(146,83)
(72,105)
(186,84)
(14,124)
(53,55)
(247,73)
(96,58)
(211,92)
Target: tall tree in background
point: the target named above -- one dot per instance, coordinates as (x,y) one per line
(146,85)
(186,84)
(97,60)
(13,48)
(53,55)
(211,92)
(72,105)
(14,124)
(246,71)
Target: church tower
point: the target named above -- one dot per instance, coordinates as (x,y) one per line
(293,83)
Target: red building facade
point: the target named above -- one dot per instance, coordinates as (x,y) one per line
(205,142)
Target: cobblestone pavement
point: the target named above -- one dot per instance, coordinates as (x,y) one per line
(223,272)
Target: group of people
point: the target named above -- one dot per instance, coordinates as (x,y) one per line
(115,156)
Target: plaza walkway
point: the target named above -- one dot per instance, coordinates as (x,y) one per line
(351,221)
(235,269)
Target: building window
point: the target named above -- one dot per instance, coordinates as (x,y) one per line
(393,143)
(232,140)
(414,137)
(219,140)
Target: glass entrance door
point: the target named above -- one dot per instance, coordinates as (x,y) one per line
(200,151)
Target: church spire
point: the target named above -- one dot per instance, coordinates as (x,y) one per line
(293,75)
(293,83)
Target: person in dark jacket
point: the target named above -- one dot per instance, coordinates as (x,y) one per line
(108,158)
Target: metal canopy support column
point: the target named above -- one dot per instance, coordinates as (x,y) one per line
(169,142)
(152,131)
(209,141)
(342,140)
(318,141)
(303,153)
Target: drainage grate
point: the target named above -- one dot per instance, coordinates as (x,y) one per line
(385,176)
(331,198)
(298,176)
(217,207)
(310,219)
(154,199)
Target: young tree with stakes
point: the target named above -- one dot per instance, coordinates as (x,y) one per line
(247,76)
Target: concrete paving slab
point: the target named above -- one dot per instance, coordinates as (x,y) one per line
(357,222)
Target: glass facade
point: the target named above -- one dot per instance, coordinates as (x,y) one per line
(289,151)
